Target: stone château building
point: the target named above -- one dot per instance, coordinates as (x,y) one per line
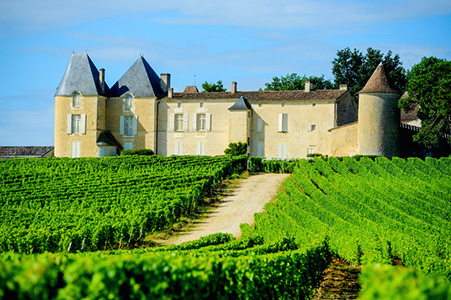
(141,110)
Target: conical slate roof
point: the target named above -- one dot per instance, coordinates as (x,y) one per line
(81,75)
(378,83)
(241,104)
(140,80)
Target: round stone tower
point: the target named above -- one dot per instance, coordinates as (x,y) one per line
(379,117)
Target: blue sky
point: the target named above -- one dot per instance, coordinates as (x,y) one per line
(247,41)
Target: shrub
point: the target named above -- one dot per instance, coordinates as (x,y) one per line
(236,149)
(138,152)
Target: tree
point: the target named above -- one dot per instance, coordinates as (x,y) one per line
(213,87)
(295,82)
(355,69)
(236,149)
(429,85)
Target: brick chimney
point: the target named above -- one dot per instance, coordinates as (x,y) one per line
(170,93)
(102,80)
(234,87)
(343,87)
(165,81)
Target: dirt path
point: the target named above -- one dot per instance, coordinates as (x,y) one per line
(237,207)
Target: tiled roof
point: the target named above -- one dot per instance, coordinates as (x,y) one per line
(378,83)
(140,80)
(81,75)
(411,114)
(265,95)
(191,89)
(25,151)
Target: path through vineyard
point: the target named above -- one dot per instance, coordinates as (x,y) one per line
(237,207)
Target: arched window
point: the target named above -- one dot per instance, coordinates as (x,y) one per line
(76,100)
(128,102)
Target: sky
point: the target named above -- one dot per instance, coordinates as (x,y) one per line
(247,41)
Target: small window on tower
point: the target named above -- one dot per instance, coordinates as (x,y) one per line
(76,100)
(128,103)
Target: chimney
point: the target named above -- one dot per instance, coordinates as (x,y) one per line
(170,93)
(233,87)
(102,80)
(165,81)
(308,86)
(343,87)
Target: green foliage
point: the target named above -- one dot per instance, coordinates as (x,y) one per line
(296,82)
(318,155)
(355,69)
(429,86)
(259,164)
(213,87)
(138,152)
(236,149)
(387,282)
(100,203)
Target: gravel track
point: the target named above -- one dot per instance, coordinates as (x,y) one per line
(239,206)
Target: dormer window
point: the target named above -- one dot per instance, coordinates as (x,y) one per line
(128,102)
(76,100)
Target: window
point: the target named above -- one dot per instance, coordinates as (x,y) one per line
(128,103)
(201,104)
(311,127)
(76,124)
(178,148)
(200,149)
(283,151)
(128,125)
(201,122)
(128,146)
(178,122)
(75,150)
(310,150)
(259,125)
(76,100)
(283,122)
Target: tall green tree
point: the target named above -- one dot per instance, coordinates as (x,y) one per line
(354,69)
(213,87)
(429,85)
(295,82)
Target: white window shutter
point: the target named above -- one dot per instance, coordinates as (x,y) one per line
(194,122)
(280,122)
(135,125)
(285,122)
(121,125)
(171,122)
(260,148)
(185,122)
(176,148)
(198,148)
(83,124)
(208,122)
(285,150)
(69,124)
(204,146)
(259,125)
(280,150)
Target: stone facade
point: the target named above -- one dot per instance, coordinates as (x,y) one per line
(141,110)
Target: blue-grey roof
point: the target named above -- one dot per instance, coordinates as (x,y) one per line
(107,138)
(81,75)
(241,104)
(140,80)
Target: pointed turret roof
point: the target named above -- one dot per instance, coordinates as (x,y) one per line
(140,80)
(241,104)
(81,75)
(378,83)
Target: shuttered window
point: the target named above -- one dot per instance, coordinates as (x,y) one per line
(283,122)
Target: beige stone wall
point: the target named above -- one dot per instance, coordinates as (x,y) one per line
(239,129)
(94,109)
(344,140)
(378,132)
(298,138)
(216,140)
(145,110)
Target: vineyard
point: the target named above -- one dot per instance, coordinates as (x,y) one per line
(369,212)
